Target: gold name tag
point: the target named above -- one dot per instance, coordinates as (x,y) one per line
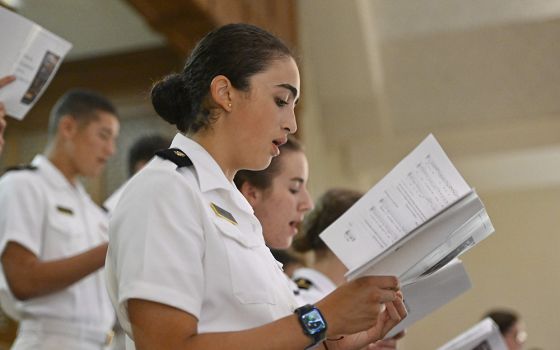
(222,213)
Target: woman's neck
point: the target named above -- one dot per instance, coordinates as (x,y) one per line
(208,140)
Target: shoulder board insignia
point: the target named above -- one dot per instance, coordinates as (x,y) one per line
(303,283)
(64,210)
(21,167)
(222,213)
(176,156)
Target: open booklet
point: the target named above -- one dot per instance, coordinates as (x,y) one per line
(412,224)
(33,55)
(485,335)
(414,221)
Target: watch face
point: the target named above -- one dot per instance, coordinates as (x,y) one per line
(313,322)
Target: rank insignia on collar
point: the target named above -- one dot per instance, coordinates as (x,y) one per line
(64,210)
(222,213)
(179,153)
(303,283)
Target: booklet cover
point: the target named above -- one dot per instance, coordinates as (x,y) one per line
(33,55)
(429,293)
(485,335)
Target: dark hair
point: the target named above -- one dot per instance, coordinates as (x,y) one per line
(237,51)
(144,148)
(262,179)
(330,206)
(81,105)
(504,319)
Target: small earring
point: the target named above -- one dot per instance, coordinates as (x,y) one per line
(229,105)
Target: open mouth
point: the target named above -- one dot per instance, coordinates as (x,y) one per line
(294,226)
(279,142)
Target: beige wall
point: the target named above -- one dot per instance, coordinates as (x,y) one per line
(512,157)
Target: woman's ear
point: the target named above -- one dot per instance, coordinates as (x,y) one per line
(251,193)
(221,90)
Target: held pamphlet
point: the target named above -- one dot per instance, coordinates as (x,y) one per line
(413,224)
(414,221)
(33,55)
(485,335)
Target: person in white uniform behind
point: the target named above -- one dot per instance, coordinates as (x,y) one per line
(280,199)
(53,237)
(187,265)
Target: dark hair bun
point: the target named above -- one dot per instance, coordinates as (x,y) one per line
(171,100)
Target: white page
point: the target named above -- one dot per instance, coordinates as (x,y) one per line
(33,55)
(429,244)
(485,335)
(422,185)
(427,294)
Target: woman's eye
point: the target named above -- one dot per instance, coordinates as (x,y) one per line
(293,191)
(280,102)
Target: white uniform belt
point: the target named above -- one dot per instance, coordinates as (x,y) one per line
(66,328)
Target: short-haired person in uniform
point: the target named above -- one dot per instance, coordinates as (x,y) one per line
(142,150)
(53,237)
(3,82)
(280,199)
(187,265)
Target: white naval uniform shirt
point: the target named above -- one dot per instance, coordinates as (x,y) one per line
(317,284)
(168,245)
(43,212)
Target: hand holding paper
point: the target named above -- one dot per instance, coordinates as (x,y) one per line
(3,82)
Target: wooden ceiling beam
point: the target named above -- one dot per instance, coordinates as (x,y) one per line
(184,22)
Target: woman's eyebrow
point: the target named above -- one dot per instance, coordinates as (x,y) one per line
(290,87)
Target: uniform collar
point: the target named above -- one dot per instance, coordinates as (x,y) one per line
(210,175)
(53,175)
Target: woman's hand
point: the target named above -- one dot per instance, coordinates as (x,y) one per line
(367,303)
(393,313)
(3,82)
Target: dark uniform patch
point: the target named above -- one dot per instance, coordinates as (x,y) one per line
(176,156)
(303,283)
(21,167)
(224,214)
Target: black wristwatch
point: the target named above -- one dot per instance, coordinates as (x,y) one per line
(313,323)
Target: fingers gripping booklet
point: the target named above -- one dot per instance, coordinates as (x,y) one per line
(411,224)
